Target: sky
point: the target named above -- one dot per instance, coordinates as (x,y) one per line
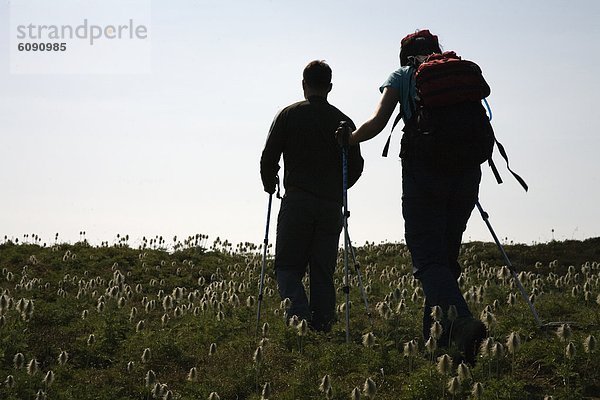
(171,144)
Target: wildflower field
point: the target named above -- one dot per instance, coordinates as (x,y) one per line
(179,322)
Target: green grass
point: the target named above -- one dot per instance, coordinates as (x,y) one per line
(65,280)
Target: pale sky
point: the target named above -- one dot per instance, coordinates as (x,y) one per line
(175,151)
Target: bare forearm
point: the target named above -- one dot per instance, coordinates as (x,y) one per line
(380,118)
(367,131)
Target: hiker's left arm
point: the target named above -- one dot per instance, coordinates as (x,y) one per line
(373,126)
(269,160)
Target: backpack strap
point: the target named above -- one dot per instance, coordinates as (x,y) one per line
(400,115)
(495,170)
(387,143)
(505,156)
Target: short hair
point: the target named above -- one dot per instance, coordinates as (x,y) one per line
(317,74)
(420,43)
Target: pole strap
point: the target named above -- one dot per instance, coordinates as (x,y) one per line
(278,187)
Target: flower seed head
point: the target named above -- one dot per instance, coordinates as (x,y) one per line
(302,328)
(436,313)
(157,390)
(487,347)
(401,307)
(150,378)
(48,379)
(564,332)
(463,372)
(146,355)
(431,345)
(258,355)
(178,312)
(140,326)
(19,360)
(436,330)
(10,382)
(498,350)
(513,342)
(329,393)
(192,375)
(368,339)
(589,344)
(294,321)
(410,348)
(325,383)
(570,350)
(453,385)
(266,392)
(489,319)
(452,313)
(477,390)
(369,388)
(32,367)
(444,364)
(63,357)
(504,273)
(167,303)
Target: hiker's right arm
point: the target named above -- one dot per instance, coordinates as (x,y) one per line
(269,161)
(380,118)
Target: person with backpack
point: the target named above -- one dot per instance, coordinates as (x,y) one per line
(310,218)
(443,144)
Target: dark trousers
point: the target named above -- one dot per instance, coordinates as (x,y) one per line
(308,232)
(436,208)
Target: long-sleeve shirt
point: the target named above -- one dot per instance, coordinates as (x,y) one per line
(304,133)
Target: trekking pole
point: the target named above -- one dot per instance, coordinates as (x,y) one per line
(346,214)
(485,217)
(264,262)
(360,282)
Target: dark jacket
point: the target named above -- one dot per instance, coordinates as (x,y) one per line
(312,158)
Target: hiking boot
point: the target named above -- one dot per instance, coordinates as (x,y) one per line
(468,333)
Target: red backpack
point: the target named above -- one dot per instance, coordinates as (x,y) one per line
(445,79)
(449,128)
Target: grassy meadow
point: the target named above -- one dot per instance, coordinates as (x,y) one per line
(114,322)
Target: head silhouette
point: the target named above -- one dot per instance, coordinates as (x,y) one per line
(317,77)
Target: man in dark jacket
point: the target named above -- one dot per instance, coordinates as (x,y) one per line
(310,217)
